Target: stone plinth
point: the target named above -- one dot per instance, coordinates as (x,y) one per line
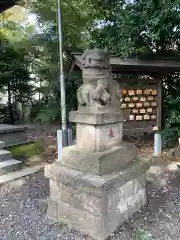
(98,138)
(97,132)
(99,163)
(95,205)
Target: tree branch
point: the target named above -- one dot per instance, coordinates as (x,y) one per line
(77,14)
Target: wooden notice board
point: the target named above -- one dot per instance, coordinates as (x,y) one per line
(140,103)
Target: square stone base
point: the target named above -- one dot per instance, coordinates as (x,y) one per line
(98,138)
(97,131)
(95,205)
(99,163)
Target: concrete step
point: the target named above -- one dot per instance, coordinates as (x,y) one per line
(9,166)
(24,171)
(1,145)
(5,155)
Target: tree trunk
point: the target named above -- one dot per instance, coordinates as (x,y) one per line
(11,111)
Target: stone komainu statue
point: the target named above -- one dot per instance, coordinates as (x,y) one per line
(98,86)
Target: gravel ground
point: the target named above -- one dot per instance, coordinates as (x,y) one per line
(23,205)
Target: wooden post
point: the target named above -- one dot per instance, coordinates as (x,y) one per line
(159,101)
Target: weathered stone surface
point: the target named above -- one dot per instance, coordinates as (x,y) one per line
(94,215)
(127,190)
(99,163)
(95,117)
(79,219)
(78,198)
(120,211)
(98,89)
(93,183)
(52,210)
(125,201)
(98,138)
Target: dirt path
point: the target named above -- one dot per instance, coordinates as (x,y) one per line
(23,205)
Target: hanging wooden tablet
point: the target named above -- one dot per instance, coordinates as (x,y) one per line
(135,111)
(139,118)
(131,117)
(124,91)
(150,98)
(146,104)
(131,105)
(139,105)
(154,104)
(142,99)
(127,99)
(149,110)
(146,117)
(139,92)
(135,98)
(154,92)
(153,117)
(123,105)
(142,111)
(131,92)
(147,92)
(121,100)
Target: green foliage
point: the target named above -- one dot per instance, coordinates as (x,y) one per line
(138,27)
(78,19)
(27,150)
(173,111)
(77,23)
(123,27)
(16,59)
(169,137)
(143,234)
(48,109)
(49,112)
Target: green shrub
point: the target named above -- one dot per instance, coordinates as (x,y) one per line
(27,150)
(169,137)
(143,234)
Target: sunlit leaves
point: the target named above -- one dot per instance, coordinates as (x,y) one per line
(140,26)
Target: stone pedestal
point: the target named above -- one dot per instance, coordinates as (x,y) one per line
(97,132)
(95,205)
(100,182)
(99,163)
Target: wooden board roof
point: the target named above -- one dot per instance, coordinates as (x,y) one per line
(5,4)
(152,64)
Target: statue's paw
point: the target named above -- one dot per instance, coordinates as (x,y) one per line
(94,95)
(105,98)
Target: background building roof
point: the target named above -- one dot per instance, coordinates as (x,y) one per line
(136,64)
(5,4)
